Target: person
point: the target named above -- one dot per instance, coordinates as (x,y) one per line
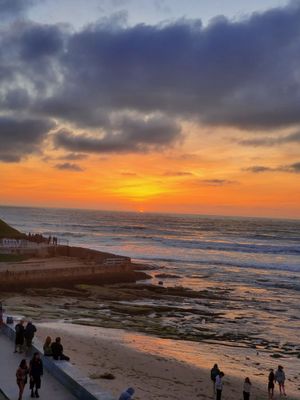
(271,384)
(280,378)
(29,334)
(219,385)
(58,350)
(47,347)
(127,395)
(247,389)
(19,338)
(35,373)
(214,372)
(21,375)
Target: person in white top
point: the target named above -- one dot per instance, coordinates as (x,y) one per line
(280,378)
(219,385)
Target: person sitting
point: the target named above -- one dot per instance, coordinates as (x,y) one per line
(47,347)
(58,350)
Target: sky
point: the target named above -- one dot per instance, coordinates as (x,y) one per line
(151,105)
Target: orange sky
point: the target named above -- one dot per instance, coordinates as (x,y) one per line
(205,173)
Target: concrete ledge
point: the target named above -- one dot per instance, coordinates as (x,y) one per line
(81,387)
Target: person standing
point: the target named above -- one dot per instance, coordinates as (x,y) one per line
(19,338)
(247,389)
(21,375)
(35,373)
(280,378)
(271,384)
(219,385)
(29,334)
(214,372)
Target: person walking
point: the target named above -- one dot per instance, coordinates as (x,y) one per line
(214,372)
(21,375)
(271,385)
(19,338)
(29,334)
(280,378)
(219,385)
(35,373)
(247,389)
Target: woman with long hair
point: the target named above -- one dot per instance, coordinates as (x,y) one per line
(21,375)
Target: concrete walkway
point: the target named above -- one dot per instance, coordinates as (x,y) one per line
(9,362)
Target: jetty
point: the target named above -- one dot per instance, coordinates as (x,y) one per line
(30,262)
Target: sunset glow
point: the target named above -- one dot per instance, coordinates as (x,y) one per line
(152,130)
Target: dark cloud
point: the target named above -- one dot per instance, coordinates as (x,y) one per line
(20,137)
(216,182)
(178,173)
(236,73)
(73,157)
(126,135)
(14,8)
(272,141)
(112,79)
(259,168)
(69,167)
(293,168)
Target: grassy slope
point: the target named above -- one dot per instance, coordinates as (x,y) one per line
(8,232)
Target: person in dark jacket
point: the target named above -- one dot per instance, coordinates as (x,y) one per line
(271,384)
(35,372)
(127,395)
(58,350)
(29,334)
(214,372)
(19,339)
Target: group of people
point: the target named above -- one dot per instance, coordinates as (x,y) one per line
(24,336)
(38,238)
(34,370)
(23,341)
(54,349)
(217,375)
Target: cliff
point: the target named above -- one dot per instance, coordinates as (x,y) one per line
(7,232)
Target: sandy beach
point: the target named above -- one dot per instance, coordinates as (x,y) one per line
(163,368)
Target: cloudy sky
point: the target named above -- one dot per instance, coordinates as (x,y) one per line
(151,105)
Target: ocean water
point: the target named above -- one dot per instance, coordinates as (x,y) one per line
(256,261)
(190,240)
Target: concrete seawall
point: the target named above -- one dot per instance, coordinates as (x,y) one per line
(76,265)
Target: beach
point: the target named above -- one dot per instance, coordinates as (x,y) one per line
(164,368)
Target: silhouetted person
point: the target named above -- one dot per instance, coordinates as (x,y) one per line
(127,395)
(280,378)
(35,373)
(271,384)
(214,372)
(219,385)
(19,338)
(247,389)
(21,375)
(29,334)
(58,350)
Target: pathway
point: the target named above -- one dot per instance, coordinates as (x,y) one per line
(51,389)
